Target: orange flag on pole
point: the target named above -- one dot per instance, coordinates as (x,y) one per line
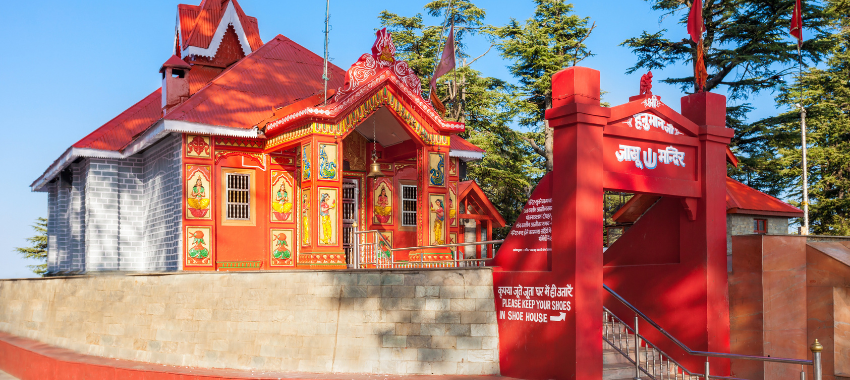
(695,28)
(447,64)
(797,23)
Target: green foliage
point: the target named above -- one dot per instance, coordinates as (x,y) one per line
(38,250)
(826,97)
(747,46)
(548,42)
(509,171)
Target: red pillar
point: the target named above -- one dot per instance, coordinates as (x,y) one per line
(577,119)
(706,237)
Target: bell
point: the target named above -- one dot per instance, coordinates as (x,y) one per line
(375,170)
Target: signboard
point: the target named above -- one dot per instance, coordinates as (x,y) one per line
(648,158)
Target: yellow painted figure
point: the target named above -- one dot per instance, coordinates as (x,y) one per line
(437,208)
(325,213)
(305,217)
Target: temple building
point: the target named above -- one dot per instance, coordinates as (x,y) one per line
(242,161)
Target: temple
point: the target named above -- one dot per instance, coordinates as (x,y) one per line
(241,161)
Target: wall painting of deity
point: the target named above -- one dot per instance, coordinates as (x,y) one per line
(328,159)
(385,245)
(328,228)
(306,162)
(198,248)
(305,217)
(437,218)
(198,192)
(282,196)
(282,248)
(453,203)
(198,146)
(453,166)
(436,169)
(382,196)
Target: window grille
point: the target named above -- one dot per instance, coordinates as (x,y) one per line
(760,226)
(238,196)
(408,206)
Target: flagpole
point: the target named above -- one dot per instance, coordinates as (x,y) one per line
(805,229)
(325,77)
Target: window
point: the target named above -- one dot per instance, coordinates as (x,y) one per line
(238,204)
(408,206)
(760,226)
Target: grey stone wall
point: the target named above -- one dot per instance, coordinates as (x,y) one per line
(439,321)
(162,204)
(118,214)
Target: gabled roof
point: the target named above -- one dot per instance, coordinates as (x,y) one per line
(175,62)
(120,131)
(279,73)
(202,27)
(458,143)
(742,199)
(467,188)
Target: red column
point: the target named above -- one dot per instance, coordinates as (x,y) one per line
(577,206)
(706,236)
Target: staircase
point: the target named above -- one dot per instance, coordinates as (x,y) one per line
(618,355)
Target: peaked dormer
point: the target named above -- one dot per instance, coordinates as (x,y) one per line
(175,84)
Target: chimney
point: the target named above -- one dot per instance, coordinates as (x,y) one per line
(175,82)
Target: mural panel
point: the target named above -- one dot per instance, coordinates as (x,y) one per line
(437,172)
(453,203)
(328,159)
(282,252)
(305,217)
(354,151)
(282,185)
(198,192)
(453,240)
(198,146)
(453,167)
(382,196)
(437,218)
(385,244)
(306,162)
(328,228)
(198,249)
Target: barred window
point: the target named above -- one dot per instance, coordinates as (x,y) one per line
(238,196)
(408,206)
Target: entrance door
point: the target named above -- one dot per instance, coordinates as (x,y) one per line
(349,219)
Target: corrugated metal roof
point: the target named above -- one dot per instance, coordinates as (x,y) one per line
(458,143)
(278,74)
(210,15)
(742,199)
(120,131)
(187,14)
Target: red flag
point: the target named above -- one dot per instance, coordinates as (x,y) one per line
(447,64)
(797,23)
(695,24)
(700,74)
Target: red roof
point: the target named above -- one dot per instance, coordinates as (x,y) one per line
(120,131)
(280,73)
(742,199)
(467,188)
(175,61)
(200,31)
(458,143)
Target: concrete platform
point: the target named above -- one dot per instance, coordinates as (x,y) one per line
(27,359)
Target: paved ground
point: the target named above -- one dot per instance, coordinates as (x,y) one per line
(6,376)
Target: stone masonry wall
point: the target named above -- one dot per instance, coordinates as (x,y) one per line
(365,321)
(101,197)
(77,220)
(162,204)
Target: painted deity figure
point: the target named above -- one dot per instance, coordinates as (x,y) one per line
(384,248)
(305,217)
(325,215)
(198,200)
(437,174)
(327,168)
(437,208)
(382,207)
(452,211)
(283,205)
(281,251)
(305,162)
(198,251)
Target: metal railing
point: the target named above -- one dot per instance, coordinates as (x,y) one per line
(366,254)
(615,339)
(456,261)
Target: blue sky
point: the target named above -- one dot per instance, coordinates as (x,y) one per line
(72,65)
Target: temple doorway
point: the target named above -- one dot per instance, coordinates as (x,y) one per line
(349,218)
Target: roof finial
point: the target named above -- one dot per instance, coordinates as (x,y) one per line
(646,83)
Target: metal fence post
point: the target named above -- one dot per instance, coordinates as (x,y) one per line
(706,368)
(817,370)
(802,372)
(637,349)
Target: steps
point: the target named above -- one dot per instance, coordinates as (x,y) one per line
(617,366)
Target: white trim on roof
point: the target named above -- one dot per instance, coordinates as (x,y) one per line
(466,155)
(230,18)
(159,130)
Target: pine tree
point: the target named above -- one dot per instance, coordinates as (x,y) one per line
(551,40)
(38,250)
(826,97)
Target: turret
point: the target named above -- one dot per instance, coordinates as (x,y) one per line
(175,82)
